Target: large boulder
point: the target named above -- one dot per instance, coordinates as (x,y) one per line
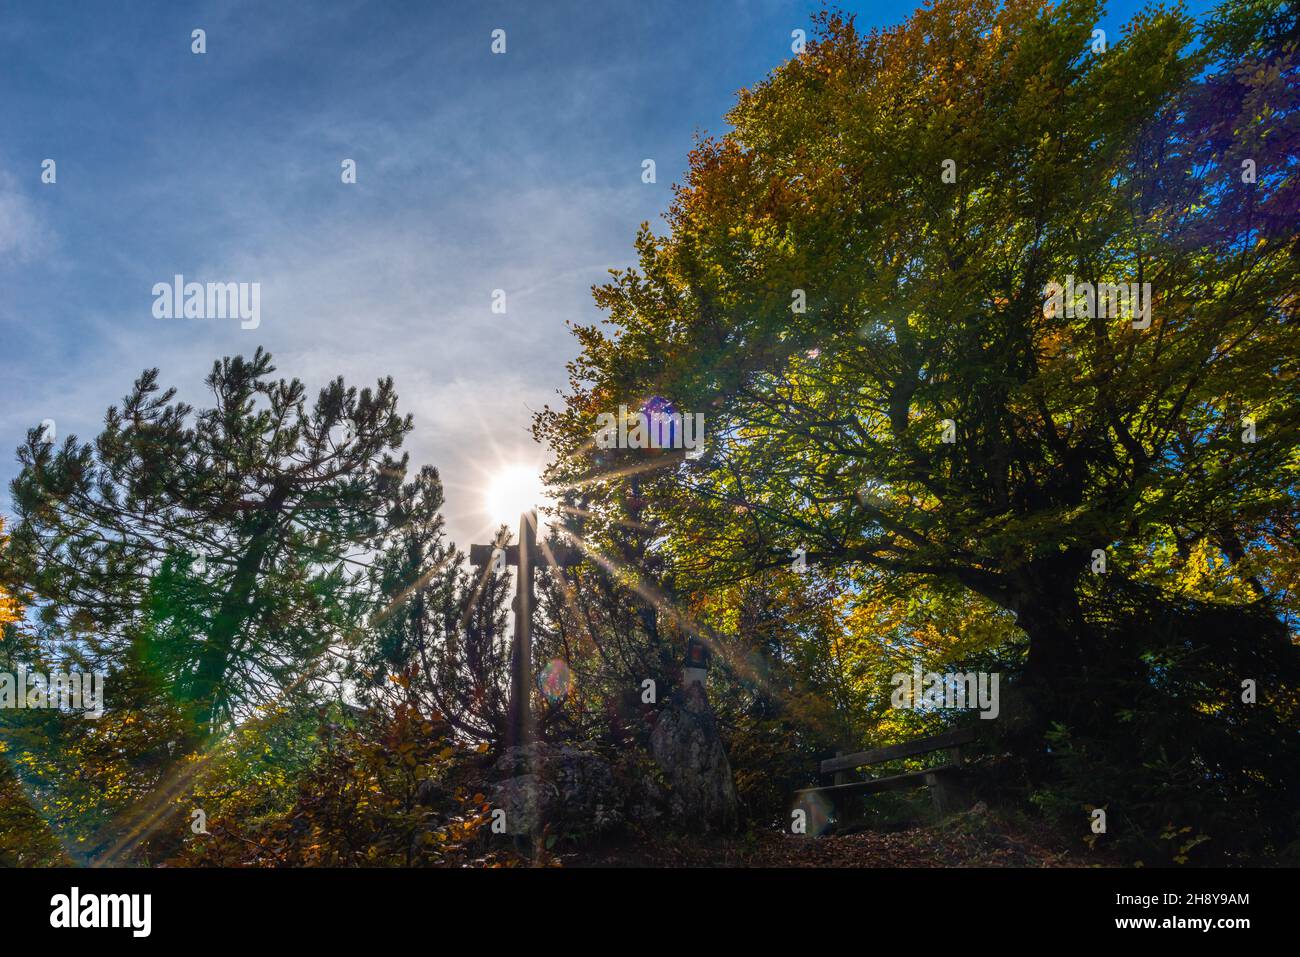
(686,745)
(571,789)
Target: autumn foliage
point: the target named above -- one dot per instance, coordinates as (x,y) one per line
(909,463)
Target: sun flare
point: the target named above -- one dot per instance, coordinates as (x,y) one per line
(512,492)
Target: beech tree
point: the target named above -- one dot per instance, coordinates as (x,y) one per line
(854,288)
(10,608)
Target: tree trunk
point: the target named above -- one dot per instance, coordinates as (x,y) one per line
(1064,676)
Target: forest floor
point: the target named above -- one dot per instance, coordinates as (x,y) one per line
(973,839)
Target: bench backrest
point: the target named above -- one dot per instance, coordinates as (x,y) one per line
(948,739)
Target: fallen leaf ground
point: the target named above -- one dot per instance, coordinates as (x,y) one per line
(966,840)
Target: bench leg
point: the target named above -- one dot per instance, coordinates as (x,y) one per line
(948,793)
(838,811)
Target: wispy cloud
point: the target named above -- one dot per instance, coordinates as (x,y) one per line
(23,235)
(475,172)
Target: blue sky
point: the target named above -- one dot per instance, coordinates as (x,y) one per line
(475,172)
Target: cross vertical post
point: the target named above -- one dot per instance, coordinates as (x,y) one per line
(519,713)
(524,556)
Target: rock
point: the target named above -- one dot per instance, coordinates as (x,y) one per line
(646,798)
(570,789)
(527,800)
(686,745)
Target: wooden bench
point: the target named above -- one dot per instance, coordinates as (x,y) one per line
(942,781)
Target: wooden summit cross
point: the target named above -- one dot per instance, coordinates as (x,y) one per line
(525,556)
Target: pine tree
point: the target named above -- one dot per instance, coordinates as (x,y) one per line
(223,547)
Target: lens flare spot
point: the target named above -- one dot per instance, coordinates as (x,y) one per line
(818,813)
(556,680)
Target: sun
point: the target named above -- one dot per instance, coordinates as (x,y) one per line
(515,490)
